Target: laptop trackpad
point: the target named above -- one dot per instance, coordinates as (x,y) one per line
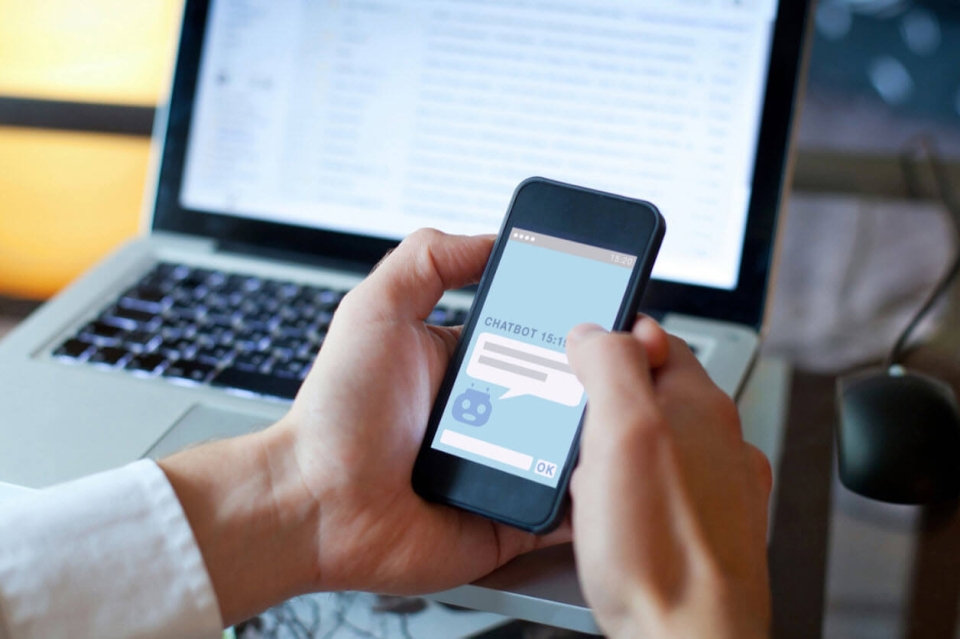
(203,424)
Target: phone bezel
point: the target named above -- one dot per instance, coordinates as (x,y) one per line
(553,208)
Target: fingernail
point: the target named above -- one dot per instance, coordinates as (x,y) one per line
(583,330)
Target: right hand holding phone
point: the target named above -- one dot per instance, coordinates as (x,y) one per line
(669,502)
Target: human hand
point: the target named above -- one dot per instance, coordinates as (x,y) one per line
(669,502)
(359,420)
(323,499)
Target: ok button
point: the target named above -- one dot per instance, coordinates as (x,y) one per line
(545,469)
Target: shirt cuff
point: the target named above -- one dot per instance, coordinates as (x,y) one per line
(110,555)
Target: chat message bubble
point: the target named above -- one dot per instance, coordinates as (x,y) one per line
(524,369)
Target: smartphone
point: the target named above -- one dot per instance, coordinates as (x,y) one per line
(503,435)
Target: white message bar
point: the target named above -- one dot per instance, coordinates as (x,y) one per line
(486,449)
(524,369)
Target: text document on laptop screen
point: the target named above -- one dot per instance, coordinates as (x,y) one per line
(378,117)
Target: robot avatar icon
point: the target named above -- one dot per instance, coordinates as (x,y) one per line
(472,407)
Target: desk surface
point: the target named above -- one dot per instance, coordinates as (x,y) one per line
(843,566)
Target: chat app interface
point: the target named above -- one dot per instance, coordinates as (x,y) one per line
(516,404)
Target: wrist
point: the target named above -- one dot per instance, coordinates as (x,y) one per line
(631,615)
(255,524)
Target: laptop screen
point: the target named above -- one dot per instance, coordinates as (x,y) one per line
(377,117)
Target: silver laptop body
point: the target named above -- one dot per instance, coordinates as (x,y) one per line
(300,141)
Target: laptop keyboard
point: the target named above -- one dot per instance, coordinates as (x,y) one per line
(199,326)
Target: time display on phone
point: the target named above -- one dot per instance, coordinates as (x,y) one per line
(623,260)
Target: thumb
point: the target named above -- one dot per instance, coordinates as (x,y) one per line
(408,283)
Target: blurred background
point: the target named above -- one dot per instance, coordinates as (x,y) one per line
(880,71)
(79,81)
(72,169)
(862,245)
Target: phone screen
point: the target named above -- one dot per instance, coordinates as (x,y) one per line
(515,404)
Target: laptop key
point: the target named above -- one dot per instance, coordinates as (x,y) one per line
(330,300)
(308,350)
(146,363)
(290,369)
(73,349)
(257,383)
(295,328)
(304,309)
(438,316)
(252,341)
(195,279)
(189,370)
(185,311)
(219,303)
(270,305)
(102,334)
(250,283)
(141,341)
(145,298)
(225,338)
(178,348)
(289,290)
(288,343)
(250,362)
(262,321)
(293,331)
(214,355)
(147,294)
(178,272)
(221,319)
(162,271)
(128,317)
(282,354)
(205,340)
(322,321)
(108,355)
(216,280)
(170,331)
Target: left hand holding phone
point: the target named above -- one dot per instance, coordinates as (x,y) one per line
(322,500)
(360,418)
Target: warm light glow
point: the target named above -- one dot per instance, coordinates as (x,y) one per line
(66,199)
(88,50)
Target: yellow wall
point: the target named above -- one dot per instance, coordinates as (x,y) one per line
(89,50)
(66,199)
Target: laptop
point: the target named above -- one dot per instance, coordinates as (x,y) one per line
(300,141)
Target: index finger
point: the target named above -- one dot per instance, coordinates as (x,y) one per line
(615,372)
(684,387)
(681,368)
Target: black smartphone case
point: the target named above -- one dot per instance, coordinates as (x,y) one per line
(424,483)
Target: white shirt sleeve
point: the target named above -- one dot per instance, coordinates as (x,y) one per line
(110,555)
